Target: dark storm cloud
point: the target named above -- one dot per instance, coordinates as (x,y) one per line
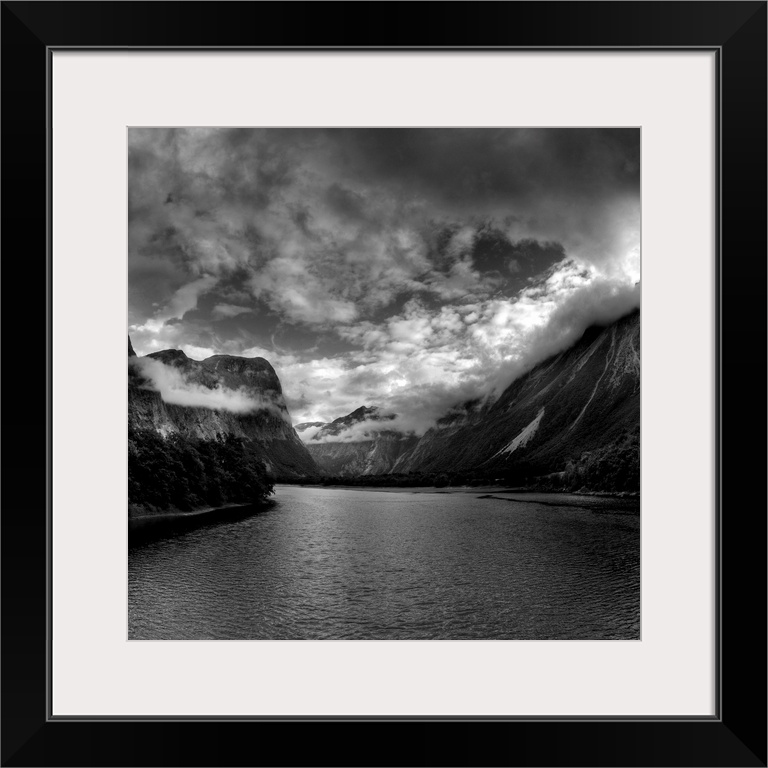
(532,177)
(346,203)
(378,260)
(475,167)
(551,184)
(515,262)
(533,253)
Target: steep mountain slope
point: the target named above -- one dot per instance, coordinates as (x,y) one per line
(369,450)
(267,429)
(584,399)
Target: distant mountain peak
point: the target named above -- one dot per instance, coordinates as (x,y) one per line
(341,448)
(169,356)
(343,423)
(360,414)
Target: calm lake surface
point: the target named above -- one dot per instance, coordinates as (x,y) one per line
(326,563)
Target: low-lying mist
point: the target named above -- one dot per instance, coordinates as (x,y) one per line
(176,388)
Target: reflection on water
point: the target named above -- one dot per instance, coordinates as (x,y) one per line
(358,564)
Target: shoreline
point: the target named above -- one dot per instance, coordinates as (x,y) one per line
(627,495)
(146,518)
(149,524)
(177,514)
(560,504)
(140,521)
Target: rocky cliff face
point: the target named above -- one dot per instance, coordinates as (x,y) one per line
(339,448)
(250,380)
(583,399)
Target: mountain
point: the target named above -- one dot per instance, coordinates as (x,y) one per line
(226,382)
(577,412)
(351,446)
(571,422)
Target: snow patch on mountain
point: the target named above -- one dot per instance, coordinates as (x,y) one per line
(524,437)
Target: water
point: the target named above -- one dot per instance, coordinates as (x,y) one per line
(360,564)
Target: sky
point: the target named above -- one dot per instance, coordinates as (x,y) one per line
(409,269)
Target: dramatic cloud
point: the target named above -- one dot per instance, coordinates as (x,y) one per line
(359,432)
(228,310)
(411,269)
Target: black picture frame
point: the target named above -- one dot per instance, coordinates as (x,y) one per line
(736,735)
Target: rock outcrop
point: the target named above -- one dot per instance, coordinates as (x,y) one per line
(252,380)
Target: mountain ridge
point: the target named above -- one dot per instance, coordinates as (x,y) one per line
(374,452)
(576,405)
(267,425)
(575,415)
(576,401)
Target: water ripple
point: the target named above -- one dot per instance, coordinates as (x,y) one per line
(347,564)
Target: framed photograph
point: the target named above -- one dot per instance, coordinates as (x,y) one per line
(424,416)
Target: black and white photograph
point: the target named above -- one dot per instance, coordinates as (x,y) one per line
(384,383)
